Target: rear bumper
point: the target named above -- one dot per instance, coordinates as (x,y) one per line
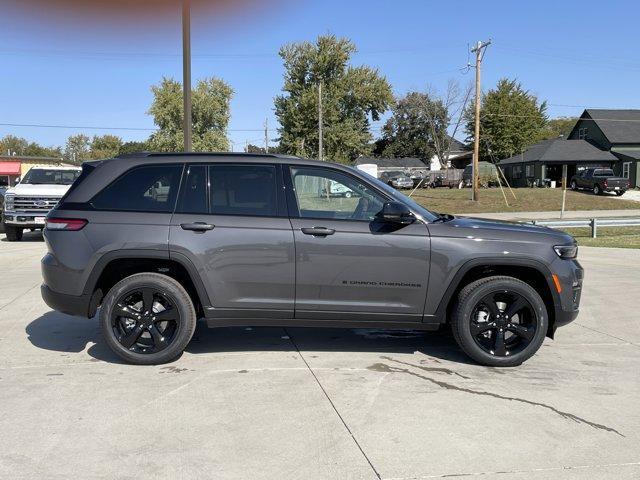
(564,317)
(69,304)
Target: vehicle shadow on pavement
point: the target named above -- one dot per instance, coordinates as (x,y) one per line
(27,237)
(63,333)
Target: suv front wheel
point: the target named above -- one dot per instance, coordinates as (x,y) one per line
(499,321)
(147,318)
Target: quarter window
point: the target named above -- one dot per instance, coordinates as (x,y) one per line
(324,193)
(151,188)
(243,190)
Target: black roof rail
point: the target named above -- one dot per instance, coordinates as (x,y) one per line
(202,154)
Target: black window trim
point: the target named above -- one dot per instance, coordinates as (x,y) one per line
(136,167)
(292,202)
(281,207)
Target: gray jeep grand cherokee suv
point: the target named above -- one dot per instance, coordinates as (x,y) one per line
(160,240)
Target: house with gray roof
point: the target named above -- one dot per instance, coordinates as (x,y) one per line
(544,161)
(617,131)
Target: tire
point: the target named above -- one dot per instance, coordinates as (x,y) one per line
(574,186)
(347,195)
(14,234)
(620,192)
(597,190)
(466,306)
(165,289)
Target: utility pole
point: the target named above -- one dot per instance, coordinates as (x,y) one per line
(186,73)
(266,135)
(320,156)
(479,51)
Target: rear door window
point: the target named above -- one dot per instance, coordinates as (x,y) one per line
(150,188)
(243,190)
(193,196)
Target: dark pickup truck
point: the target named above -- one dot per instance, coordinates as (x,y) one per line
(599,180)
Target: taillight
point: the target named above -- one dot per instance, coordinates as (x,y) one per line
(68,224)
(605,184)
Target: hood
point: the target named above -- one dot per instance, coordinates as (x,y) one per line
(478,228)
(27,189)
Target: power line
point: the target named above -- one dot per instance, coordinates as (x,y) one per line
(95,127)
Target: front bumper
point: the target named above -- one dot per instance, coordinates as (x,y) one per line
(69,304)
(24,220)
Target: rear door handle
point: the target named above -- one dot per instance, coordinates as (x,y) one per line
(318,231)
(199,227)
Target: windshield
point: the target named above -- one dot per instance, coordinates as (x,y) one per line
(427,214)
(42,176)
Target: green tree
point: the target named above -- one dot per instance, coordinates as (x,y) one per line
(511,119)
(133,147)
(210,115)
(10,145)
(351,96)
(77,149)
(418,123)
(560,126)
(105,146)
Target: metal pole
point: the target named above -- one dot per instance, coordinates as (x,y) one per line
(266,135)
(186,73)
(476,142)
(564,189)
(320,156)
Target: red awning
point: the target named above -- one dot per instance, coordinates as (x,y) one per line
(9,168)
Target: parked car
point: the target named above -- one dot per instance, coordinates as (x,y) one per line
(27,204)
(3,190)
(599,180)
(397,180)
(242,240)
(338,190)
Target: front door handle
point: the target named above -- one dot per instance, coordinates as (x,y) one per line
(318,231)
(199,227)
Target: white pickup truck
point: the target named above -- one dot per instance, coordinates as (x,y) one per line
(27,204)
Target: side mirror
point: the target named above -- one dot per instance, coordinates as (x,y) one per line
(17,180)
(396,212)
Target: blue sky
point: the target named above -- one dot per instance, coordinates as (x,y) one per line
(63,72)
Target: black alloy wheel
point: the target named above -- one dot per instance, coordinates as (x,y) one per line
(145,320)
(499,321)
(148,318)
(503,323)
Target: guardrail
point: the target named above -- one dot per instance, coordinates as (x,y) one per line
(593,223)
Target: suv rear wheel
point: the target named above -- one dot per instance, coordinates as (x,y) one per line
(147,318)
(14,234)
(499,321)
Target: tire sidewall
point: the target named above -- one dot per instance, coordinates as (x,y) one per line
(176,294)
(465,310)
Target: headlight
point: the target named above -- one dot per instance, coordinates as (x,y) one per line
(8,202)
(566,251)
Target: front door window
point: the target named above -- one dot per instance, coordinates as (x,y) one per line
(329,194)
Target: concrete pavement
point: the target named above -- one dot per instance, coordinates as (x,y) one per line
(273,403)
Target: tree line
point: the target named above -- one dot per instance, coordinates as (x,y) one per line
(419,123)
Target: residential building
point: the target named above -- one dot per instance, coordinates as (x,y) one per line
(544,161)
(617,131)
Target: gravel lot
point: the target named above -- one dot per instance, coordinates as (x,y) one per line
(272,403)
